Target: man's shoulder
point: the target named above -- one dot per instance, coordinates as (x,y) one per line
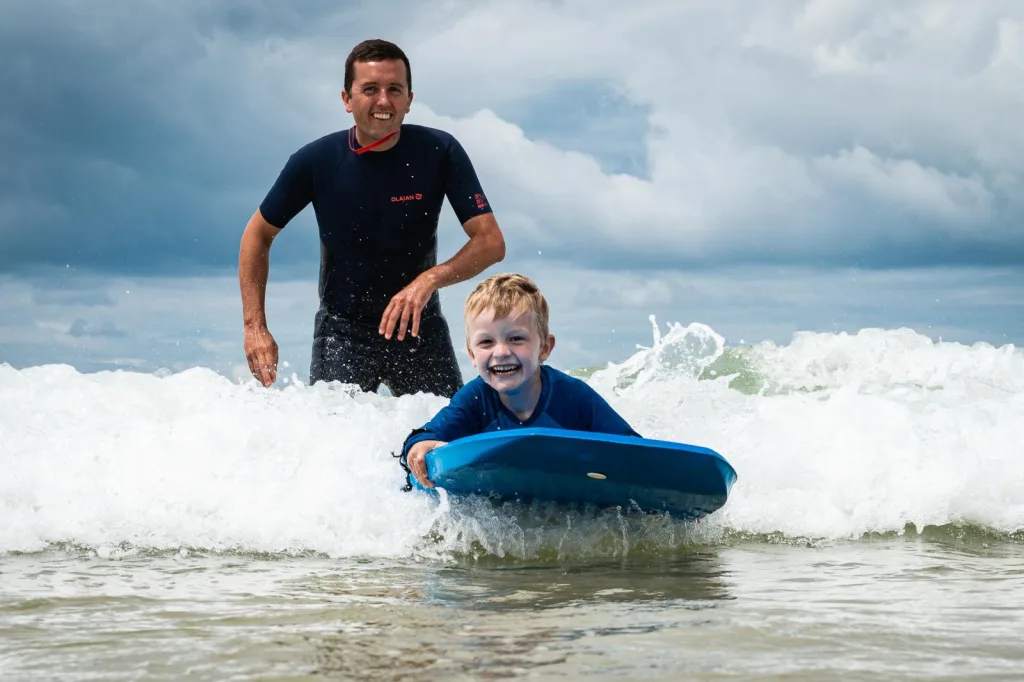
(421,135)
(419,131)
(328,144)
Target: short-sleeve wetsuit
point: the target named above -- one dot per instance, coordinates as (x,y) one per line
(377,214)
(565,402)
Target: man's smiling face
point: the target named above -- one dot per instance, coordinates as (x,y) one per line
(380,98)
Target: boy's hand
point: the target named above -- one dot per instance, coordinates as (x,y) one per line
(416,459)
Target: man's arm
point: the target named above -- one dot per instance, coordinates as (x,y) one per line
(486,246)
(253,270)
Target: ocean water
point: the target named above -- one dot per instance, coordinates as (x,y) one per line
(184,526)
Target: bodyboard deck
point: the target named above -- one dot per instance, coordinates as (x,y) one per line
(583,468)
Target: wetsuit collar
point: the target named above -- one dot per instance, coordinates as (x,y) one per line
(352,141)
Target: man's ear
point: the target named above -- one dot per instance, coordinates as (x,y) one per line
(545,350)
(346,100)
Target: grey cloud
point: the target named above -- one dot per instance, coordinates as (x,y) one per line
(106,328)
(67,297)
(146,136)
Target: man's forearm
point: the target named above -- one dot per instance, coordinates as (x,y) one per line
(479,253)
(253,270)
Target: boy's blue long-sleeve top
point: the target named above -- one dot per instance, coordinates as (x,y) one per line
(565,402)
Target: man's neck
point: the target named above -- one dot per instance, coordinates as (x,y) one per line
(368,144)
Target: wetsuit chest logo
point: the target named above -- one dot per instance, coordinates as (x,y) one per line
(406,197)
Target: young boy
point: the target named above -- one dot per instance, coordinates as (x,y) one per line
(507,338)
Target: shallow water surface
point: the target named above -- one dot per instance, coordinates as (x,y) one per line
(903,607)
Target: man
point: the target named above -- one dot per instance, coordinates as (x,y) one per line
(377,190)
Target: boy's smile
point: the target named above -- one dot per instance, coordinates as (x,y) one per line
(505,370)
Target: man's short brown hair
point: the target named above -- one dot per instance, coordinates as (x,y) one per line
(374,50)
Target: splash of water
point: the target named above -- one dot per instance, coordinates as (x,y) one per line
(834,436)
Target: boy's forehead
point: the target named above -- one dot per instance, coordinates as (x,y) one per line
(515,317)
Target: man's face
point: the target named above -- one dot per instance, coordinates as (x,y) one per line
(380,97)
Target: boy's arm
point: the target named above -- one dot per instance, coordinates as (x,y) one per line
(451,423)
(455,420)
(604,418)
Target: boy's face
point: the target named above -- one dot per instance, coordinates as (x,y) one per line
(507,352)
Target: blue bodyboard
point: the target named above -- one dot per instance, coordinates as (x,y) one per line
(583,468)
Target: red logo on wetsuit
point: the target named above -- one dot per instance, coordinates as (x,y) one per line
(407,197)
(481,203)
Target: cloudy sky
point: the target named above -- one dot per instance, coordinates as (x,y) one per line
(762,167)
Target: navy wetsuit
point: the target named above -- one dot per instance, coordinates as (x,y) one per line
(378,214)
(565,403)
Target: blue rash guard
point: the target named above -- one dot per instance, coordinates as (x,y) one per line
(565,403)
(377,212)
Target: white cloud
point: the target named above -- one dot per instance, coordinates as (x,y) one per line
(940,196)
(767,123)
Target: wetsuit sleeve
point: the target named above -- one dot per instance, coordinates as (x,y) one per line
(461,417)
(461,185)
(292,191)
(599,415)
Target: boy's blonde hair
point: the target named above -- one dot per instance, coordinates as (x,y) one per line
(509,294)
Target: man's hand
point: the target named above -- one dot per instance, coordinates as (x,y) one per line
(486,246)
(416,459)
(261,351)
(408,302)
(253,268)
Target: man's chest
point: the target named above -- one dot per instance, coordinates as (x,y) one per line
(385,186)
